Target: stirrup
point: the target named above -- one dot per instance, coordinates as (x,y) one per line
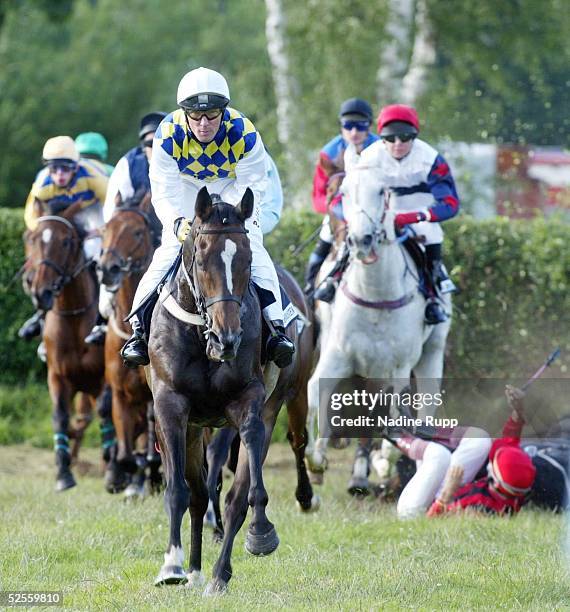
(434,313)
(97,335)
(326,292)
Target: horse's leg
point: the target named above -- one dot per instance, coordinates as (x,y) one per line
(152,454)
(332,365)
(217,454)
(195,474)
(247,487)
(358,484)
(61,397)
(83,417)
(171,410)
(297,436)
(429,369)
(124,421)
(115,479)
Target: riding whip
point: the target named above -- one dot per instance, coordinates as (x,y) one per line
(549,361)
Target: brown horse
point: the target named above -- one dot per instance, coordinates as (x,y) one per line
(290,389)
(128,244)
(61,283)
(206,371)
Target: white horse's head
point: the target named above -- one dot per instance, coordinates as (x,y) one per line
(365,207)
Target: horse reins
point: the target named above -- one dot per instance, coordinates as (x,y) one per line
(64,277)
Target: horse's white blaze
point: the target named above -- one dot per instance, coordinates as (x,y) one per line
(175,556)
(227,257)
(46,235)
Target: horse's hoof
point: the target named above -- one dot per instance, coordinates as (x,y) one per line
(171,574)
(195,579)
(65,482)
(218,535)
(134,493)
(316,462)
(261,545)
(316,478)
(215,587)
(210,518)
(358,487)
(312,506)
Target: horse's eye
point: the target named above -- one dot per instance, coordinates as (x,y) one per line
(66,242)
(138,234)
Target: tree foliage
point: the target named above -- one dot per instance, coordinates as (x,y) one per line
(80,65)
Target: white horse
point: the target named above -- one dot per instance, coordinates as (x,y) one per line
(377,330)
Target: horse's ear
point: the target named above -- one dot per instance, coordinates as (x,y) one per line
(245,208)
(39,209)
(72,210)
(118,200)
(146,201)
(203,208)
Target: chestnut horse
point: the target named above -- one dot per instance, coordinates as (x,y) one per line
(129,239)
(206,371)
(61,283)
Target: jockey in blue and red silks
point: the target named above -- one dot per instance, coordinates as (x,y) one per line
(355,120)
(422,187)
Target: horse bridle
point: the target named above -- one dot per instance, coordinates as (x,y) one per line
(127,264)
(202,303)
(64,277)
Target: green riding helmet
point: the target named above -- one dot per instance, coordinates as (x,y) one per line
(92,144)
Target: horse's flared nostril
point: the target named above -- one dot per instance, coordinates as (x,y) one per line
(367,240)
(45,299)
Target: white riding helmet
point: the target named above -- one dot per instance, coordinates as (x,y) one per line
(60,148)
(203,89)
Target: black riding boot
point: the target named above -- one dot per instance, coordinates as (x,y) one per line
(327,289)
(316,259)
(33,326)
(135,350)
(97,334)
(280,349)
(434,312)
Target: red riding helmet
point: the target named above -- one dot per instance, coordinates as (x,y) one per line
(512,470)
(398,119)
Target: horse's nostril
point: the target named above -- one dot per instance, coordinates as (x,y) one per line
(114,270)
(367,240)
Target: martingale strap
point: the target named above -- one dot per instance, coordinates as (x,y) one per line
(379,305)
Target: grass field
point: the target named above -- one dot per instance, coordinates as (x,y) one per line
(103,553)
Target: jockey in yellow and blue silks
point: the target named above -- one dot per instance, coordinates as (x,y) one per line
(206,143)
(65,180)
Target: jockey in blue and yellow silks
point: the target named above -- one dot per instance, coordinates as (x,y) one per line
(206,143)
(64,181)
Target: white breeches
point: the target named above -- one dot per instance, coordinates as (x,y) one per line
(105,302)
(262,269)
(326,233)
(471,453)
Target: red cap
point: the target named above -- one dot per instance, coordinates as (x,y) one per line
(398,112)
(512,470)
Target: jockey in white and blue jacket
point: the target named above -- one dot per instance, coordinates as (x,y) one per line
(423,192)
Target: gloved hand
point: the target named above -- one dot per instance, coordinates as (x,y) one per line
(182,227)
(402,219)
(437,508)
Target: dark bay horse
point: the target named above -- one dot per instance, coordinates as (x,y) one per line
(129,239)
(290,389)
(207,372)
(60,282)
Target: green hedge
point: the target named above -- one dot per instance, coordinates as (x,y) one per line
(18,361)
(513,309)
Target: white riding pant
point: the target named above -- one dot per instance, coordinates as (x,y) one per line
(262,269)
(426,484)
